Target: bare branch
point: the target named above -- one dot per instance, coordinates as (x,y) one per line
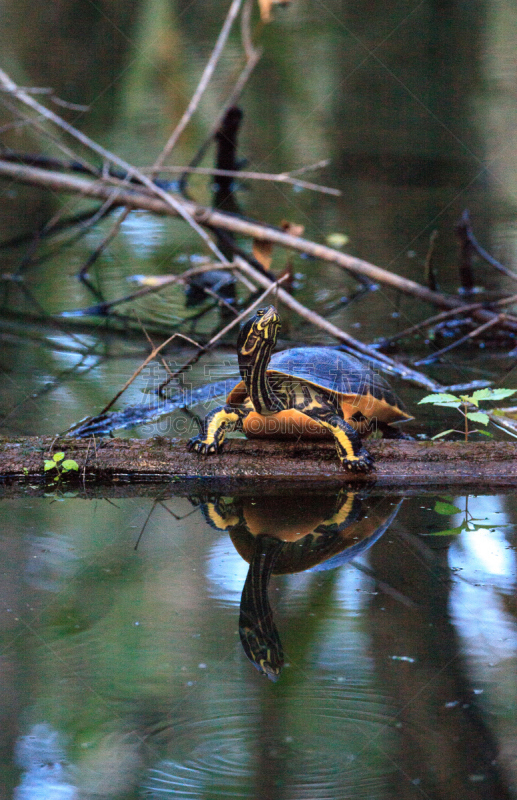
(170,200)
(245,227)
(203,83)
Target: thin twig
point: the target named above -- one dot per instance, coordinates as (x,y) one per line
(253,56)
(203,83)
(164,363)
(170,200)
(142,366)
(382,360)
(280,177)
(35,123)
(246,37)
(310,167)
(444,315)
(458,342)
(202,350)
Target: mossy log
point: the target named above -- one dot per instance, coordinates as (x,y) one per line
(254,463)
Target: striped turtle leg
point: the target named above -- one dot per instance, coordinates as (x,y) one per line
(353,456)
(216,425)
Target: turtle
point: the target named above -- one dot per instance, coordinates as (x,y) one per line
(285,534)
(303,392)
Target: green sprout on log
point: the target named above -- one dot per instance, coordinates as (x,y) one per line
(61,465)
(463,403)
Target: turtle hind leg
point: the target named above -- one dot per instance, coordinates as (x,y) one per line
(353,456)
(216,425)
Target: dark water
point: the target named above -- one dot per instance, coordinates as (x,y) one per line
(130,673)
(125,673)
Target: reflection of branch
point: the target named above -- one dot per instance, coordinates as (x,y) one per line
(158,284)
(469,243)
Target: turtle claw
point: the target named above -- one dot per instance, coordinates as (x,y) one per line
(363,464)
(199,445)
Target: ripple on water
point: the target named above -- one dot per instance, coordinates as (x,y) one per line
(325,743)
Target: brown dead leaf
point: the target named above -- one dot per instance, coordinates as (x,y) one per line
(266,5)
(292,228)
(263,253)
(263,250)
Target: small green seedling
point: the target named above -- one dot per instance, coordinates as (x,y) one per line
(61,465)
(462,403)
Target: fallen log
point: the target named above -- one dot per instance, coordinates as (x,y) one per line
(253,463)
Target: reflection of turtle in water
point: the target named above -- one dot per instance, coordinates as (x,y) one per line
(303,392)
(286,534)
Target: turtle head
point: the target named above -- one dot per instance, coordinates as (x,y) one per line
(258,333)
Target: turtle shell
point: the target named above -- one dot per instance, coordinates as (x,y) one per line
(313,544)
(362,393)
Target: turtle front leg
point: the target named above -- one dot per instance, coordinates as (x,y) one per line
(353,456)
(216,425)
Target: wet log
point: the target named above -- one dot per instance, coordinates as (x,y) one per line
(254,463)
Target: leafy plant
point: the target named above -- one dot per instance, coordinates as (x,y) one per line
(469,522)
(61,465)
(465,401)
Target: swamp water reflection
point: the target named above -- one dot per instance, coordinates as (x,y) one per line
(124,668)
(123,672)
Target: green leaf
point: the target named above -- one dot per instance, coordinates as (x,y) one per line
(446,508)
(440,399)
(49,465)
(448,532)
(58,457)
(70,464)
(493,394)
(443,433)
(478,416)
(486,433)
(481,394)
(57,478)
(25,470)
(469,398)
